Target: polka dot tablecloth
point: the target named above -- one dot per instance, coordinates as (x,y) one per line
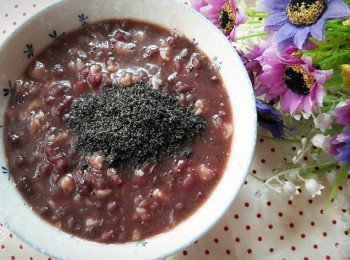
(269,226)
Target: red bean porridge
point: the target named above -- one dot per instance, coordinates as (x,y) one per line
(98,202)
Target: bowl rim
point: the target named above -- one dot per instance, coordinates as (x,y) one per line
(252,131)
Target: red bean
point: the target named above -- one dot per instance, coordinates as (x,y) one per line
(80,86)
(107,236)
(183,88)
(112,206)
(182,166)
(19,161)
(189,182)
(13,139)
(45,168)
(50,100)
(25,185)
(62,165)
(117,180)
(95,80)
(58,70)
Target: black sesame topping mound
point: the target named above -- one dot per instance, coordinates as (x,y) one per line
(131,125)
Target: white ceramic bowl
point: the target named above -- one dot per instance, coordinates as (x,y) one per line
(65,16)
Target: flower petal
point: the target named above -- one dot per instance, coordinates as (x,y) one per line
(336,9)
(317,29)
(197,4)
(209,12)
(301,36)
(272,6)
(296,102)
(216,3)
(279,18)
(285,32)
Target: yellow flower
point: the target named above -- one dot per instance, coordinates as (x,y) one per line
(346,74)
(347,23)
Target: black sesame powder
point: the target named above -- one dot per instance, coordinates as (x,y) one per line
(131,125)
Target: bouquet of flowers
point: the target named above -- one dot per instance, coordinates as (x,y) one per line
(297,54)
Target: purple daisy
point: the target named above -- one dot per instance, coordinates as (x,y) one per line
(295,21)
(292,79)
(224,14)
(340,147)
(270,118)
(342,115)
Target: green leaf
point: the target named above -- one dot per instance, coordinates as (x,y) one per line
(343,171)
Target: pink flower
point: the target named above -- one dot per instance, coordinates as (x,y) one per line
(224,14)
(342,115)
(292,79)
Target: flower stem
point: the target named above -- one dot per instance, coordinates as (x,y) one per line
(334,57)
(343,171)
(252,36)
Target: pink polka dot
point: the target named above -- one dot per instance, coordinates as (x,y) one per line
(290,202)
(2,246)
(340,188)
(31,258)
(249,251)
(324,234)
(34,5)
(14,23)
(268,203)
(247,227)
(306,258)
(305,158)
(293,248)
(302,235)
(280,214)
(246,204)
(263,161)
(6,15)
(16,6)
(253,171)
(310,201)
(258,215)
(334,222)
(270,226)
(328,257)
(245,182)
(315,246)
(259,238)
(24,14)
(294,148)
(271,250)
(291,225)
(281,237)
(312,223)
(184,252)
(301,213)
(236,216)
(216,240)
(237,239)
(273,150)
(228,252)
(261,140)
(20,246)
(13,257)
(346,232)
(3,32)
(11,236)
(226,228)
(206,252)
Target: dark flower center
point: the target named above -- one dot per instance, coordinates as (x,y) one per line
(298,80)
(227,17)
(305,12)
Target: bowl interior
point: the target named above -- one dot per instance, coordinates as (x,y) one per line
(18,50)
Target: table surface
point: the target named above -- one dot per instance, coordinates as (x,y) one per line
(270,226)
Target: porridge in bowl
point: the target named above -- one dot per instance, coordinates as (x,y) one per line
(118,131)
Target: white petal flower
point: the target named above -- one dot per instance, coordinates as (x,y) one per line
(321,141)
(323,121)
(290,189)
(313,187)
